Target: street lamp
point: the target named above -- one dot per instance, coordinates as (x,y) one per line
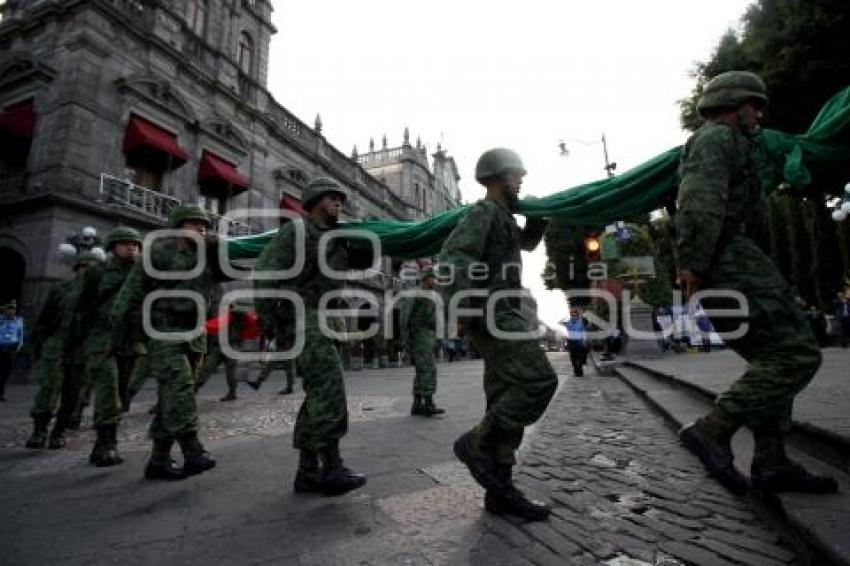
(610,167)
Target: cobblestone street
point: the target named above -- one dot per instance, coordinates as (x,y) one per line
(620,484)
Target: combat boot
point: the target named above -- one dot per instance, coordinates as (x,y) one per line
(195,459)
(108,455)
(38,438)
(99,446)
(231,396)
(335,478)
(308,477)
(429,409)
(715,455)
(790,476)
(57,437)
(481,465)
(161,466)
(416,409)
(511,501)
(255,385)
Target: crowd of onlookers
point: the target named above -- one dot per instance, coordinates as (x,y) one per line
(833,326)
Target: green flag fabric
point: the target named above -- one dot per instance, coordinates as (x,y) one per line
(793,160)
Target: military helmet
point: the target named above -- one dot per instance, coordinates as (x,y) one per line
(86,259)
(497,161)
(123,234)
(319,187)
(180,214)
(730,90)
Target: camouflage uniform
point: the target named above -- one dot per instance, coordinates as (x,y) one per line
(420,322)
(174,364)
(721,215)
(108,361)
(323,417)
(518,380)
(287,366)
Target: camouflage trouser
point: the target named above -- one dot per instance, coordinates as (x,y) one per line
(286,365)
(519,382)
(212,360)
(105,372)
(50,379)
(422,351)
(782,353)
(140,374)
(323,417)
(174,367)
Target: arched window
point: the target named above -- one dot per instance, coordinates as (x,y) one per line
(246,53)
(196,16)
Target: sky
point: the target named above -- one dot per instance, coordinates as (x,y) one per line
(477,74)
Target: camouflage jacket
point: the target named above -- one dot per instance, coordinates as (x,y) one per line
(418,314)
(721,211)
(50,319)
(487,235)
(90,308)
(168,314)
(278,316)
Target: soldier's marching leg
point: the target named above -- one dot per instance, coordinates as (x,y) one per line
(103,371)
(230,368)
(323,418)
(50,384)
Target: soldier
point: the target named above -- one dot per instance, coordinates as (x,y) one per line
(518,380)
(323,418)
(721,214)
(288,366)
(215,356)
(418,329)
(174,364)
(59,378)
(108,362)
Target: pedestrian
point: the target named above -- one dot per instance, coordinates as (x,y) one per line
(323,417)
(11,341)
(705,329)
(234,323)
(842,315)
(418,329)
(721,216)
(268,366)
(59,380)
(577,344)
(519,382)
(174,363)
(108,361)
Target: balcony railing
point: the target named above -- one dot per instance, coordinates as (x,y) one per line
(122,192)
(234,227)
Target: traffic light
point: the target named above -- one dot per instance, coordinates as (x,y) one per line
(592,248)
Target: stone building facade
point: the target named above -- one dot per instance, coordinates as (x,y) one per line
(114,111)
(429,188)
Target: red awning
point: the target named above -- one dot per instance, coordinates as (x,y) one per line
(220,173)
(142,135)
(292,204)
(18,120)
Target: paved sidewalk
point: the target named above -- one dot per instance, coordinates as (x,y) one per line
(619,482)
(824,405)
